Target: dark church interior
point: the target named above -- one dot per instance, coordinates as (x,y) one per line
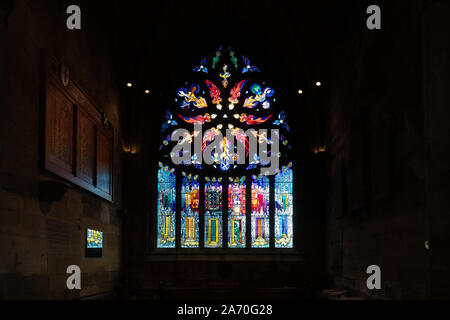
(358,209)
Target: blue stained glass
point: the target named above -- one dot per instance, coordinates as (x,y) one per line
(260,212)
(282,121)
(284,209)
(190,191)
(214,237)
(166,208)
(284,227)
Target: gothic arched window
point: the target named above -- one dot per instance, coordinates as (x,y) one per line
(225,178)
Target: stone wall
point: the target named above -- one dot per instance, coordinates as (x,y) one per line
(436,52)
(388,196)
(38,239)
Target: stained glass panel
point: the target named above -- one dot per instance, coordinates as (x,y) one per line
(190,191)
(236,213)
(166,208)
(213,213)
(284,208)
(260,212)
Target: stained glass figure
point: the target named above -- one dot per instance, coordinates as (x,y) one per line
(236,213)
(284,208)
(166,207)
(190,191)
(260,212)
(213,213)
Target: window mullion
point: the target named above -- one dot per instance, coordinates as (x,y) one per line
(225,187)
(248,213)
(201,214)
(178,211)
(272,211)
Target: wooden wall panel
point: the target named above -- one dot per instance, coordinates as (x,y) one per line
(104,161)
(86,155)
(79,143)
(59,130)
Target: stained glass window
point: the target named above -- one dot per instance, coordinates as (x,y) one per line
(166,207)
(224,122)
(284,208)
(260,212)
(190,192)
(236,213)
(213,213)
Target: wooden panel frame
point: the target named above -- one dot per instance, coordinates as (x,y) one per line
(72,127)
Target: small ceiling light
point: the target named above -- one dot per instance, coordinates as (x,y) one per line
(147,91)
(300,91)
(213,116)
(231,106)
(129,84)
(219,107)
(236,116)
(318,83)
(230,126)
